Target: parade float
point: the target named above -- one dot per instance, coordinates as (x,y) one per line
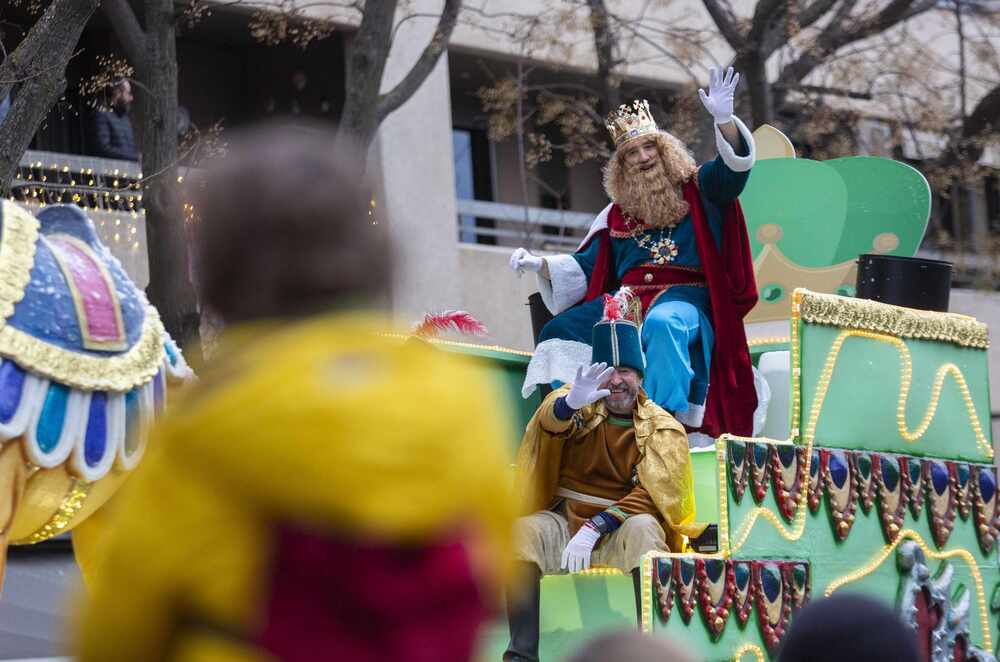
(873,470)
(85,363)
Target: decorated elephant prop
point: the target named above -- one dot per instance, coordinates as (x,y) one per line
(85,363)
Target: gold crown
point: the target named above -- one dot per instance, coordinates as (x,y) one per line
(630,121)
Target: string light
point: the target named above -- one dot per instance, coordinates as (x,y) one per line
(115,191)
(756,650)
(910,534)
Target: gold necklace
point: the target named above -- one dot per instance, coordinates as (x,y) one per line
(662,251)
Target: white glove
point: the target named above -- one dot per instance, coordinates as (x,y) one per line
(576,556)
(521,260)
(586,387)
(719,100)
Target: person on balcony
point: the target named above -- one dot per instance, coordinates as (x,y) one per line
(111,131)
(675,234)
(605,474)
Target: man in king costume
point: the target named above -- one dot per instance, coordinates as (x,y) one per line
(604,475)
(674,233)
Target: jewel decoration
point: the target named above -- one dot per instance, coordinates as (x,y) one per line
(888,472)
(797,578)
(861,470)
(663,575)
(742,590)
(739,469)
(684,586)
(913,484)
(940,500)
(983,488)
(721,587)
(774,603)
(958,475)
(839,491)
(888,482)
(759,468)
(936,608)
(816,465)
(715,593)
(787,469)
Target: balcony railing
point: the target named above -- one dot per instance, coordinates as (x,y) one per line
(509,225)
(108,190)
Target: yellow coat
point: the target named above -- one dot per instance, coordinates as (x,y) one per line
(323,423)
(665,469)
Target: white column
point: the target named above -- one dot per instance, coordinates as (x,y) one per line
(412,158)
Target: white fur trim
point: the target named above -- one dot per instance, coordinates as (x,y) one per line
(600,223)
(763,400)
(728,154)
(693,417)
(553,360)
(566,285)
(700,440)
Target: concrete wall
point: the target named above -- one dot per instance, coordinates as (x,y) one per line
(495,295)
(984,306)
(412,156)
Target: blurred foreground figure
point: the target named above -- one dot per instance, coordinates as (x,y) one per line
(324,492)
(629,647)
(848,627)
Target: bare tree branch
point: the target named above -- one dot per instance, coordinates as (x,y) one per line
(604,45)
(127,29)
(725,20)
(397,96)
(842,31)
(50,42)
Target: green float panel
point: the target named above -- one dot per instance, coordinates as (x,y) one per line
(829,212)
(859,409)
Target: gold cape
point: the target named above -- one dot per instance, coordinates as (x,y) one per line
(664,470)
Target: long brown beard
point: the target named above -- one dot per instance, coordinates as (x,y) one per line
(649,195)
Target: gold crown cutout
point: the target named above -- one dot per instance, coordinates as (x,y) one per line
(630,121)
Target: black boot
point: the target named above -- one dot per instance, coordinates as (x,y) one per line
(522,614)
(637,585)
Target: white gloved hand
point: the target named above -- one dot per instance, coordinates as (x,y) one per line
(587,386)
(721,90)
(576,556)
(521,260)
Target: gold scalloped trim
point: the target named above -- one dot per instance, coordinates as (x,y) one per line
(17,255)
(117,373)
(89,373)
(845,312)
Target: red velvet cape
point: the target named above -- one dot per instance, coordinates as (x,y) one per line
(732,290)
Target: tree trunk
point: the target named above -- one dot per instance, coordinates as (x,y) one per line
(170,288)
(366,59)
(37,71)
(753,67)
(604,45)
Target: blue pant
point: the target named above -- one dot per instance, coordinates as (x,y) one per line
(677,339)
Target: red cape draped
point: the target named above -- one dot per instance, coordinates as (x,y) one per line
(732,290)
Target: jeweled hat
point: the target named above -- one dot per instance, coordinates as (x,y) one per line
(616,340)
(630,121)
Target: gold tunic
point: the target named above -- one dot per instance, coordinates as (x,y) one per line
(663,470)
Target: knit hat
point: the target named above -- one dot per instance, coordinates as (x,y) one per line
(848,627)
(616,340)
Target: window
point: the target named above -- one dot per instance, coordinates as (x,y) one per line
(473,181)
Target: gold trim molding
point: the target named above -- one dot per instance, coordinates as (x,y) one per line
(898,321)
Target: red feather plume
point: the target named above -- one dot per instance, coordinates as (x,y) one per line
(449,320)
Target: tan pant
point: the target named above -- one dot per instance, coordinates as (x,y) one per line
(541,537)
